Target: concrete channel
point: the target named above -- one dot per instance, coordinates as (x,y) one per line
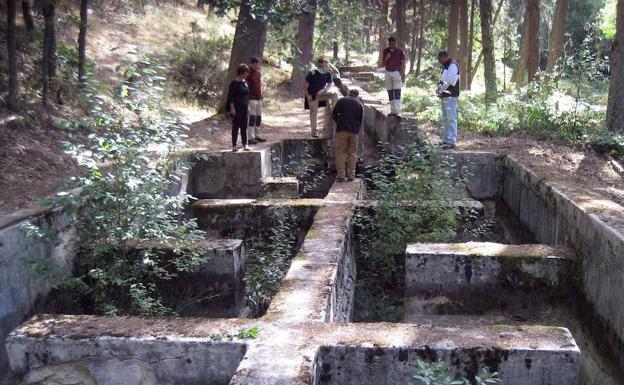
(306,335)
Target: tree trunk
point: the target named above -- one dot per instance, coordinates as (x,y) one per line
(368,26)
(451,45)
(468,81)
(383,30)
(489,63)
(463,44)
(49,47)
(480,58)
(421,34)
(82,42)
(533,50)
(305,38)
(413,39)
(249,40)
(399,11)
(12,101)
(615,106)
(557,36)
(519,74)
(334,51)
(28,18)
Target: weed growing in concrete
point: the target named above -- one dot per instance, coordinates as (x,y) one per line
(267,262)
(437,373)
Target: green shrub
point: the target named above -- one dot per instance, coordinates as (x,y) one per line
(123,211)
(437,373)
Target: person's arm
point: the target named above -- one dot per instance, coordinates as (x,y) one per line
(328,81)
(386,55)
(337,110)
(230,98)
(449,78)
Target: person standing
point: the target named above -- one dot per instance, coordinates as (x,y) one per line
(238,105)
(394,62)
(317,87)
(255,101)
(348,114)
(448,92)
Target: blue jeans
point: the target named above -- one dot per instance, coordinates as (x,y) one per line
(449,119)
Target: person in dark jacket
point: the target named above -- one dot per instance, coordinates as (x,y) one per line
(317,90)
(348,114)
(238,105)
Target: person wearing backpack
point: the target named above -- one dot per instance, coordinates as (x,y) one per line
(448,92)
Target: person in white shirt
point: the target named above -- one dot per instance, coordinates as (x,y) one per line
(448,92)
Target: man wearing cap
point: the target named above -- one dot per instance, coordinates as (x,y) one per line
(348,114)
(394,62)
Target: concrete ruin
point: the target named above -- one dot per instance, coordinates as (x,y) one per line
(306,336)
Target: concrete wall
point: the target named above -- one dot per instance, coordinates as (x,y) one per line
(20,288)
(341,365)
(575,218)
(123,361)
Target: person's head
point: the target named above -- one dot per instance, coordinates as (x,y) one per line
(443,57)
(321,63)
(392,42)
(242,71)
(354,93)
(254,63)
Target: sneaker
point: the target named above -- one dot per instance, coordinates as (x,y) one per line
(350,179)
(260,140)
(340,179)
(246,148)
(448,146)
(252,141)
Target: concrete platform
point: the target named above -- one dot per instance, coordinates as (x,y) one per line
(109,350)
(476,266)
(281,187)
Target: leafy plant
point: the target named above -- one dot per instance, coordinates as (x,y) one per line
(130,232)
(408,192)
(266,264)
(437,373)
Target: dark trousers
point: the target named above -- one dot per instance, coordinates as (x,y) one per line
(239,123)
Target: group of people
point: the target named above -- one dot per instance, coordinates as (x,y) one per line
(448,87)
(244,104)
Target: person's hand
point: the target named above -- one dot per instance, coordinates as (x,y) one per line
(317,95)
(403,77)
(388,55)
(232,112)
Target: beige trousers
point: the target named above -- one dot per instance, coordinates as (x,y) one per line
(346,153)
(331,98)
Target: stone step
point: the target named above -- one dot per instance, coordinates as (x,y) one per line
(355,68)
(481,267)
(281,187)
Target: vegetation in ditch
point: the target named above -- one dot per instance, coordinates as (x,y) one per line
(437,373)
(409,191)
(268,260)
(130,232)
